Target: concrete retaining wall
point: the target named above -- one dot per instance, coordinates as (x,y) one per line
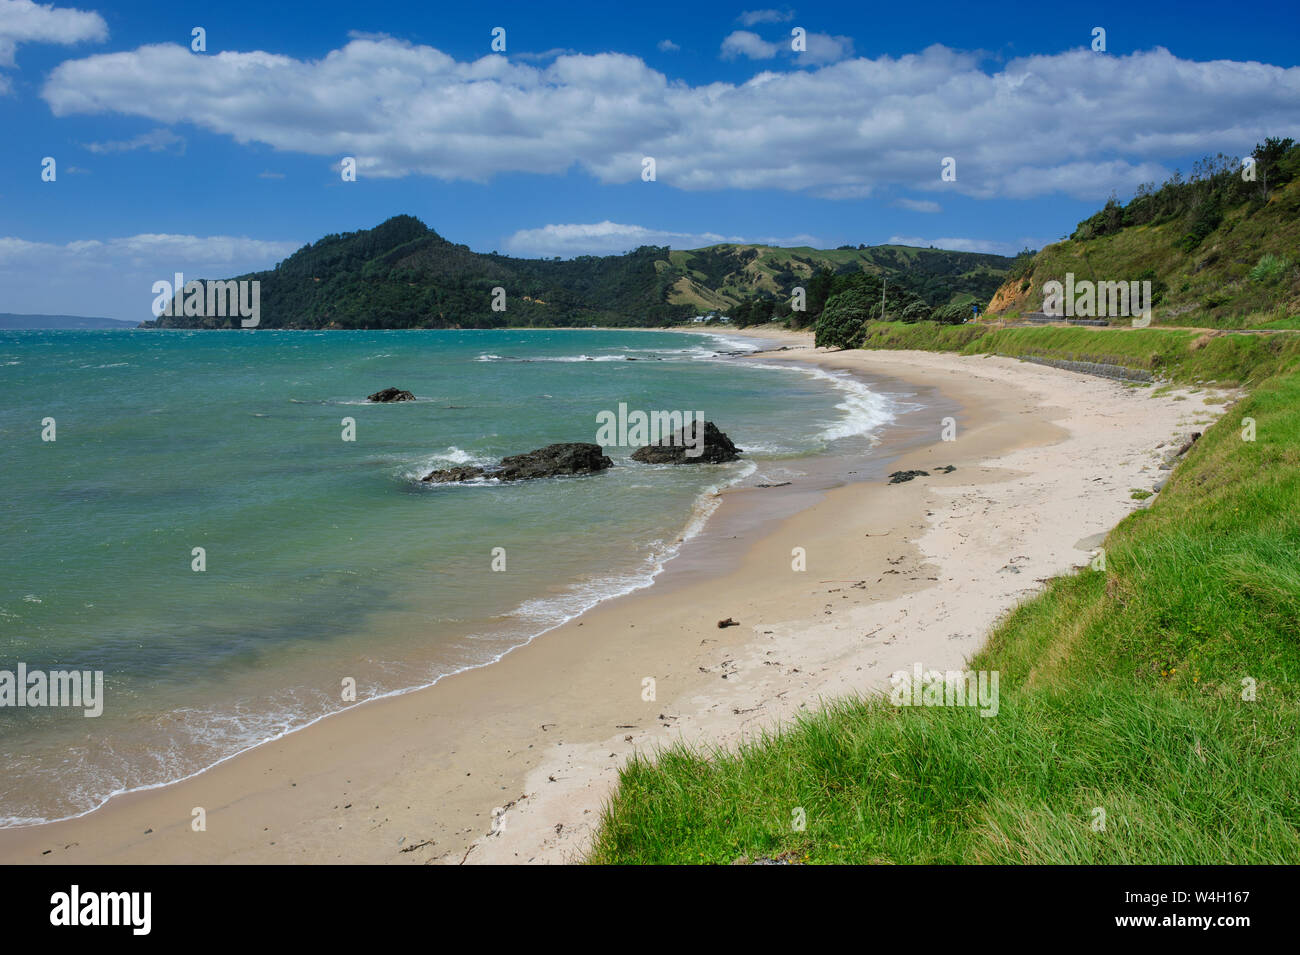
(1118,372)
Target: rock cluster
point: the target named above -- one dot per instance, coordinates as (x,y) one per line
(584,458)
(898,477)
(550,461)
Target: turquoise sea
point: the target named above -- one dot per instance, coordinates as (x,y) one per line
(327,559)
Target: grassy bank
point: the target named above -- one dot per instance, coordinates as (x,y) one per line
(1120,691)
(1178,355)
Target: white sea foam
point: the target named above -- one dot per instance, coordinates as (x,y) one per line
(631,354)
(865,411)
(554,611)
(450,457)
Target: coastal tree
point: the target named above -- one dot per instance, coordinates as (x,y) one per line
(842,322)
(752,311)
(951,314)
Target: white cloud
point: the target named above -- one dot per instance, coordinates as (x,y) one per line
(747,43)
(114,277)
(751,17)
(159,140)
(1072,122)
(544,55)
(918,205)
(668,46)
(612,238)
(822,48)
(957,245)
(1079,178)
(22,21)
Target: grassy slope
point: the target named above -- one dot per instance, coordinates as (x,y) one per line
(1120,689)
(758,275)
(1209,288)
(1176,354)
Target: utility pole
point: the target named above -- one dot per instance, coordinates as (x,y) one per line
(883,282)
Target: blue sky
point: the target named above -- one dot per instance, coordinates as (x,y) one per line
(219,162)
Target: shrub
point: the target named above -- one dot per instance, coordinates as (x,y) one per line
(1268,269)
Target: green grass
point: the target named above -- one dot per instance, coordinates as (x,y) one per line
(1289,322)
(1179,355)
(1120,690)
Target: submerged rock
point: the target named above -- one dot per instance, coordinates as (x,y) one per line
(717,448)
(391,394)
(550,461)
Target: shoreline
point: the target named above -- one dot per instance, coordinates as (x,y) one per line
(569,708)
(704,506)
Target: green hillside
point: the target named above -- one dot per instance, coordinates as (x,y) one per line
(402,274)
(1221,251)
(721,276)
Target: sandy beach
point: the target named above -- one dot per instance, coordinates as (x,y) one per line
(510,763)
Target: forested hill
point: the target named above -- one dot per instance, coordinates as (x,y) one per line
(402,274)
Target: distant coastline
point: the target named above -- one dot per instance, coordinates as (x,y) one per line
(12,321)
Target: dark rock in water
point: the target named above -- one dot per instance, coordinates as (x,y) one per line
(946,469)
(452,475)
(550,461)
(571,458)
(717,448)
(392,394)
(898,477)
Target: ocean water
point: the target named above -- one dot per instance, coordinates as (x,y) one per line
(327,560)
